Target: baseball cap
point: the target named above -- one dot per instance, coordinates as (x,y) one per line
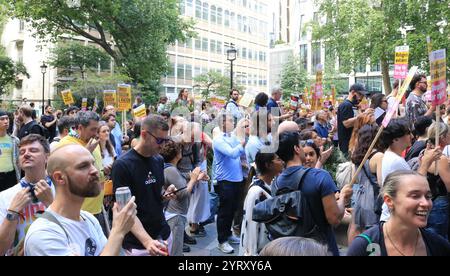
(359,88)
(3,113)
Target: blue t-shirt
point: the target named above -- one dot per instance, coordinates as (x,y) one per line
(317,183)
(270,104)
(321,130)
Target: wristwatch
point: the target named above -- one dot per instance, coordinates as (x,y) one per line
(11,216)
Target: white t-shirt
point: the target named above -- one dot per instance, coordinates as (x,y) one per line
(29,212)
(108,159)
(391,163)
(45,238)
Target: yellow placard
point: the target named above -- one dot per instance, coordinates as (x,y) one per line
(109,97)
(123,97)
(67,97)
(140,111)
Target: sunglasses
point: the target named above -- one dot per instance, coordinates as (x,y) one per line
(309,143)
(159,141)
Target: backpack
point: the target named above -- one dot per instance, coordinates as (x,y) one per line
(288,213)
(344,173)
(42,130)
(368,202)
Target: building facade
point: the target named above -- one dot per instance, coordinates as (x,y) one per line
(221,24)
(291,34)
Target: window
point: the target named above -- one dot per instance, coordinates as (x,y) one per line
(197,71)
(189,7)
(205,44)
(250,54)
(198,44)
(219,47)
(375,67)
(227,18)
(171,72)
(233,20)
(244,52)
(188,72)
(212,46)
(316,17)
(205,11)
(213,14)
(239,21)
(315,56)
(198,9)
(219,16)
(304,55)
(373,84)
(244,21)
(180,71)
(181,7)
(360,67)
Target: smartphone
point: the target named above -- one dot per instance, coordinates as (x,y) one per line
(176,191)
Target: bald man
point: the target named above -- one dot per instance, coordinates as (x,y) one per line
(288,126)
(65,230)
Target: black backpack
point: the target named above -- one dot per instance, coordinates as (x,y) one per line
(35,126)
(288,213)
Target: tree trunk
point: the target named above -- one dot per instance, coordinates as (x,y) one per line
(386,77)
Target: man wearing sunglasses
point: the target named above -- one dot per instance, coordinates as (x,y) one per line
(142,170)
(415,105)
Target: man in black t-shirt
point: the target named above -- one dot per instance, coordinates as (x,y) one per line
(49,122)
(142,170)
(346,116)
(28,125)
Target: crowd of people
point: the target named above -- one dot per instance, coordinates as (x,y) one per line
(188,164)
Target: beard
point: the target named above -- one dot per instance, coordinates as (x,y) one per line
(355,100)
(91,189)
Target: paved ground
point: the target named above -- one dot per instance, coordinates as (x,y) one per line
(207,246)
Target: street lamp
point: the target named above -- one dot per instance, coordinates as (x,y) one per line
(43,71)
(231,56)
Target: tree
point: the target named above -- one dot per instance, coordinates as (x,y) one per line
(293,77)
(74,57)
(214,82)
(9,71)
(134,33)
(361,30)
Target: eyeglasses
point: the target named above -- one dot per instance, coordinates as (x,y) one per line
(308,143)
(159,141)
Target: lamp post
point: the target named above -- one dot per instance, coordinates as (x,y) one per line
(231,56)
(43,71)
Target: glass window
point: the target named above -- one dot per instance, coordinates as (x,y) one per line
(205,44)
(197,71)
(212,46)
(198,44)
(189,7)
(304,55)
(375,67)
(180,71)
(239,21)
(171,72)
(244,23)
(233,20)
(250,54)
(188,72)
(244,52)
(205,11)
(219,16)
(198,9)
(219,47)
(213,16)
(227,18)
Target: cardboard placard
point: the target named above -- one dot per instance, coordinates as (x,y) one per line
(438,68)
(67,97)
(109,97)
(140,111)
(401,62)
(123,97)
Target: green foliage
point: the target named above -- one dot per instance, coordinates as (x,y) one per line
(293,77)
(358,29)
(134,33)
(8,73)
(74,57)
(214,83)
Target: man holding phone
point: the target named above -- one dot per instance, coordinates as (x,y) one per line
(86,125)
